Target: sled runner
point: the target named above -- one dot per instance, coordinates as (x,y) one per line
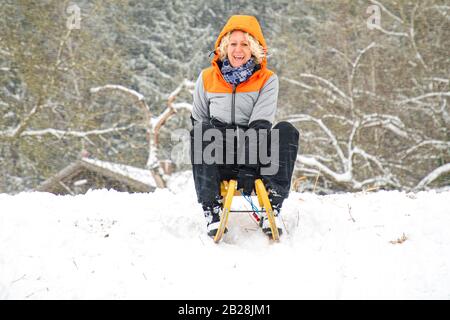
(228,191)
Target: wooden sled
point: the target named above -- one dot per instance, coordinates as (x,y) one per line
(228,190)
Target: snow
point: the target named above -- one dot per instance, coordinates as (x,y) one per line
(111,245)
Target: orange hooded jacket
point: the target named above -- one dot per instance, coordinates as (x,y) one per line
(254,99)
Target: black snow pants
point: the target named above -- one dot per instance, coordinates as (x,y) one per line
(207,177)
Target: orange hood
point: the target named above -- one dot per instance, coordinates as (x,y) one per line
(244,23)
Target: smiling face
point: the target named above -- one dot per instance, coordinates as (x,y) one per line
(238,51)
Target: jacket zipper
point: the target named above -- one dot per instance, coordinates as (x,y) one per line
(233,106)
(233,112)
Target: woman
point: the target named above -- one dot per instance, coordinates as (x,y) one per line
(239,92)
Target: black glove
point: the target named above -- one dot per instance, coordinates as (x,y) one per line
(246,180)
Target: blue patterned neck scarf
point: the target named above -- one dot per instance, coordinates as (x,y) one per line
(237,75)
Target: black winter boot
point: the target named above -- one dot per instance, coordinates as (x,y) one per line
(212,213)
(276,201)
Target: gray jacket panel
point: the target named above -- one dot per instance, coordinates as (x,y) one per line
(249,106)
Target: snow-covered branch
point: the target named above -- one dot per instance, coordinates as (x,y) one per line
(370,157)
(172,108)
(442,10)
(312,162)
(386,179)
(343,55)
(412,38)
(339,118)
(297,83)
(79,134)
(12,134)
(350,143)
(326,82)
(328,132)
(390,33)
(152,158)
(153,124)
(347,177)
(185,84)
(424,96)
(378,3)
(138,97)
(392,123)
(433,175)
(441,145)
(347,162)
(182,106)
(356,63)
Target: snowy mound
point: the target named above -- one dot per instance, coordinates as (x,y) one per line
(112,245)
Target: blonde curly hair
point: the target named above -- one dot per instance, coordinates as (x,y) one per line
(256,48)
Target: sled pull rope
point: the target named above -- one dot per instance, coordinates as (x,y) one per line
(254,208)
